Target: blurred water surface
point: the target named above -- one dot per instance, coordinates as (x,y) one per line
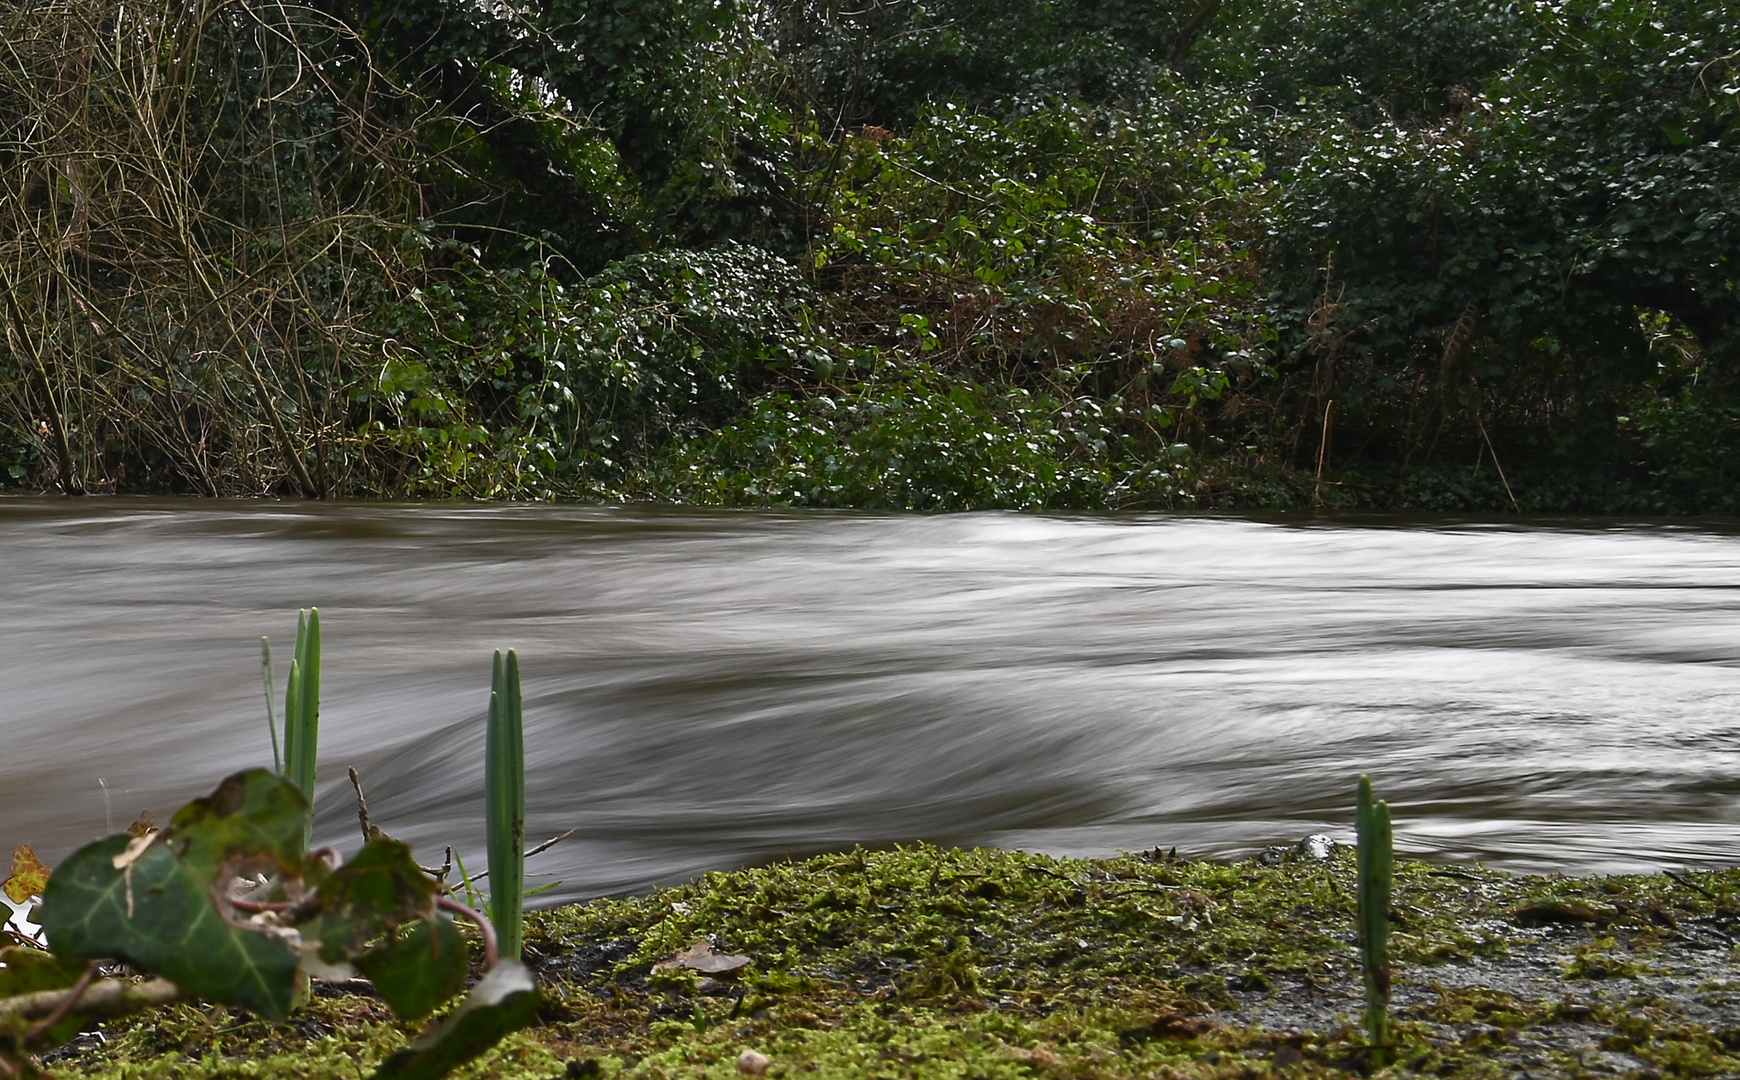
(708,689)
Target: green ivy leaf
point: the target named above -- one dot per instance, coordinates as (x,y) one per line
(373,894)
(420,967)
(502,1003)
(29,971)
(255,813)
(153,900)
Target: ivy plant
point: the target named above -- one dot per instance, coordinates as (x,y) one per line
(226,905)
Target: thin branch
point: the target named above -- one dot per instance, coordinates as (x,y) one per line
(60,1011)
(362,808)
(540,849)
(1502,478)
(111,997)
(440,873)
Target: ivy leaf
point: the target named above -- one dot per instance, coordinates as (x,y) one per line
(418,968)
(373,894)
(153,900)
(502,1003)
(256,812)
(159,916)
(29,971)
(29,876)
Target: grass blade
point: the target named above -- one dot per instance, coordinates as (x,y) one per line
(271,712)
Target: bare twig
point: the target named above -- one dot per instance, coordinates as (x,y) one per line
(1685,879)
(111,997)
(1501,477)
(362,808)
(439,873)
(540,849)
(1323,450)
(550,843)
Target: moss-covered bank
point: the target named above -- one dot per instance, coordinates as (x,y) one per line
(996,964)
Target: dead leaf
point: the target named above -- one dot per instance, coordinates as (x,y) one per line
(134,849)
(701,957)
(29,876)
(130,855)
(1177,1026)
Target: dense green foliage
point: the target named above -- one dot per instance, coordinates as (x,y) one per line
(1025,253)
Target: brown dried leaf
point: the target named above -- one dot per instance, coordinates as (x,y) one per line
(701,957)
(29,876)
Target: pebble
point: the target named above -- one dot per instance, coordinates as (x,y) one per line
(750,1063)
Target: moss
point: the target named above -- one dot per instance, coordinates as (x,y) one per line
(994,964)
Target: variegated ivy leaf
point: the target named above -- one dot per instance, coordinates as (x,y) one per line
(29,876)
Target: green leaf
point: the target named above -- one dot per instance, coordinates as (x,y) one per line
(254,812)
(302,713)
(420,967)
(373,894)
(159,916)
(29,971)
(153,900)
(505,803)
(501,1004)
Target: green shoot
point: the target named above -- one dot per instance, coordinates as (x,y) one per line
(505,804)
(302,713)
(1376,860)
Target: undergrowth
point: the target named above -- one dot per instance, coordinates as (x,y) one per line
(1366,254)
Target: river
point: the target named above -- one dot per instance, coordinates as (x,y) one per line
(709,689)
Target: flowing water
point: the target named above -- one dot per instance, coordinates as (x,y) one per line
(707,689)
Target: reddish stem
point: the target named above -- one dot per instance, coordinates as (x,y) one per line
(491,950)
(259,905)
(25,939)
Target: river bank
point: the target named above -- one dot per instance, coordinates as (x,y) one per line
(929,962)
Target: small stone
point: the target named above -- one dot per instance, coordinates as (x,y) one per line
(750,1063)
